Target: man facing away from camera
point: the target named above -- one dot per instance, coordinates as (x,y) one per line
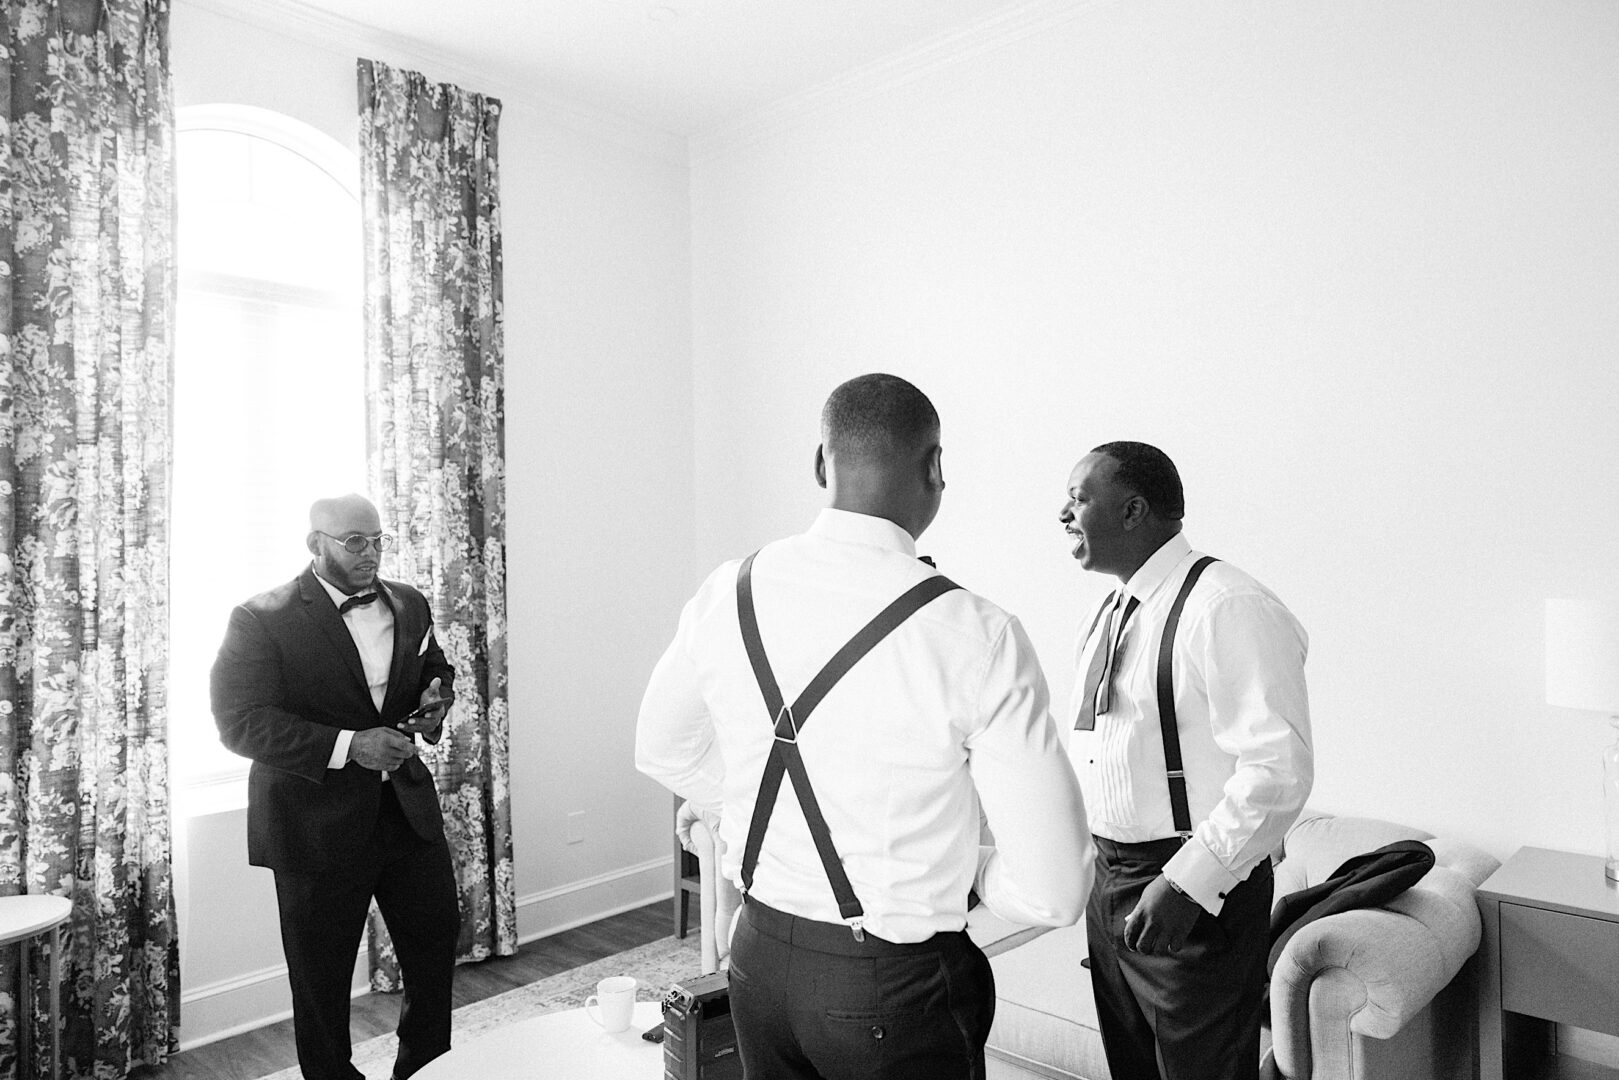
(325,682)
(846,711)
(1192,744)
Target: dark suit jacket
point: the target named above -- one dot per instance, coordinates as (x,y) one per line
(287,678)
(1368,880)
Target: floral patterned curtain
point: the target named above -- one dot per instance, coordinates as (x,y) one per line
(435,360)
(86,302)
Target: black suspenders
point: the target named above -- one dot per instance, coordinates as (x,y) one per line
(784,755)
(1166,702)
(1167,728)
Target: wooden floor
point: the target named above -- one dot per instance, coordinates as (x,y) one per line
(268,1049)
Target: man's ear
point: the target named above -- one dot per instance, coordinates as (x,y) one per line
(1135,511)
(820,466)
(935,468)
(312,543)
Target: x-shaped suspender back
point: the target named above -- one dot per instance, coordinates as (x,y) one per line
(784,756)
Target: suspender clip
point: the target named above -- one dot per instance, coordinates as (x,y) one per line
(786,726)
(1185,836)
(858,926)
(1177,774)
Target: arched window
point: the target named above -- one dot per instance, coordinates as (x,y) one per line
(269,385)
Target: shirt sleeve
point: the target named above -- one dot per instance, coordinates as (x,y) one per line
(340,750)
(1039,872)
(674,733)
(1251,654)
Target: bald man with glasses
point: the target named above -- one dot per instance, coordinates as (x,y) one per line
(326,682)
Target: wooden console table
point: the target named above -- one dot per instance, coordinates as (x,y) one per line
(1550,956)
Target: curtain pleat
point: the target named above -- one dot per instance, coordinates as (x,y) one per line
(430,198)
(86,303)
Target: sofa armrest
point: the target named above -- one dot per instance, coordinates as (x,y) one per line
(1378,967)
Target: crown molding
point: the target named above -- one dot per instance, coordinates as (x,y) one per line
(301,22)
(889,73)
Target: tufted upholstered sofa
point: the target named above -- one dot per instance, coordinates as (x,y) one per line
(1373,994)
(1361,995)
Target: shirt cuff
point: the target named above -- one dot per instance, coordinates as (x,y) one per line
(1201,876)
(340,750)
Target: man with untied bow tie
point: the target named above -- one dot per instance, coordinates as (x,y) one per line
(1192,743)
(325,682)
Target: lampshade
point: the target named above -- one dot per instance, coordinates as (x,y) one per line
(1582,654)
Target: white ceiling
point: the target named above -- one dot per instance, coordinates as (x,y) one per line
(683,66)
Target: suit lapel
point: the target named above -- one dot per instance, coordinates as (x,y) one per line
(324,614)
(404,639)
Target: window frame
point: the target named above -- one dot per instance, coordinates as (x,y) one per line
(225,790)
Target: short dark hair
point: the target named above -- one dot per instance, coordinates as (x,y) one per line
(877,416)
(1148,471)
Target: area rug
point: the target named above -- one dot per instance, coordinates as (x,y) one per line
(654,965)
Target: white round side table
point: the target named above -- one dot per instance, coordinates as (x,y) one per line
(23,919)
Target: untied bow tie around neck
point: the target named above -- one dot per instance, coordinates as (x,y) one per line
(356,601)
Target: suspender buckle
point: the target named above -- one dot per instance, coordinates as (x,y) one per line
(858,926)
(1185,836)
(786,726)
(1177,774)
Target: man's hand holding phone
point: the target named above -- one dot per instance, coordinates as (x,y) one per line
(429,713)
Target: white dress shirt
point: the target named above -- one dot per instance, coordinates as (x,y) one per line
(1241,710)
(947,715)
(372,628)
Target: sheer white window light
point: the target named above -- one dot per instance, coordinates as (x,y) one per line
(269,387)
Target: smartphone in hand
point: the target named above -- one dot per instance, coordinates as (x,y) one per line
(422,710)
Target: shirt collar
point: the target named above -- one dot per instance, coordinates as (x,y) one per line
(1152,573)
(847,527)
(337,595)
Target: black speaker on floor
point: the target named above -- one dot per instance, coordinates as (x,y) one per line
(699,1037)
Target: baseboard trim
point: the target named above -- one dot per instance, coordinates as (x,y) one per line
(565,907)
(255,999)
(248,996)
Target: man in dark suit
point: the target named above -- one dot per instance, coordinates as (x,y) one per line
(324,683)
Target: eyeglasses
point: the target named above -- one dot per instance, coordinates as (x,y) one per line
(354,543)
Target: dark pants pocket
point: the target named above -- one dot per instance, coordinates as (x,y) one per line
(920,1014)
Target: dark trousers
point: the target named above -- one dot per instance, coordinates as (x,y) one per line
(812,1003)
(322,918)
(1193,1014)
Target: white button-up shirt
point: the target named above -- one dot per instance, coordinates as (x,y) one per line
(372,628)
(947,714)
(1241,710)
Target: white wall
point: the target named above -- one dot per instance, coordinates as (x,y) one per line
(599,487)
(1352,265)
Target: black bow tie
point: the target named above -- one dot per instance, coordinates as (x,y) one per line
(356,601)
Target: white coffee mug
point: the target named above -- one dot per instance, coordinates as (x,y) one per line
(615,998)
